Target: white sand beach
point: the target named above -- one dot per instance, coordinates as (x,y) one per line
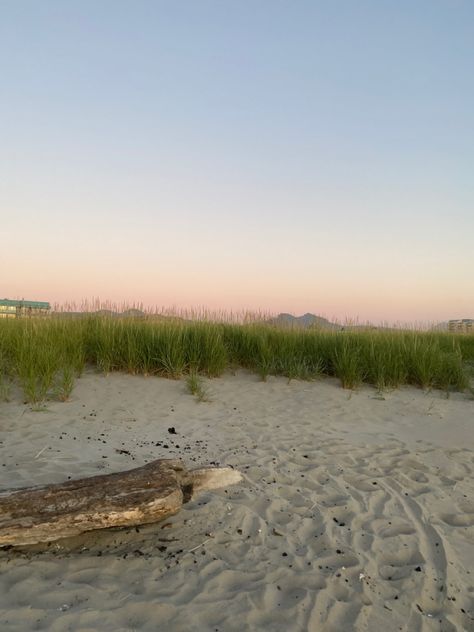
(356,511)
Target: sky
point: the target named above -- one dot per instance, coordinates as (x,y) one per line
(283,156)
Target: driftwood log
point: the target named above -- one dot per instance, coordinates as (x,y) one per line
(138,496)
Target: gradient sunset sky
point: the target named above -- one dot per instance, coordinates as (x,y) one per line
(297,156)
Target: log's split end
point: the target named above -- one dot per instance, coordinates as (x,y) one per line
(214,478)
(140,496)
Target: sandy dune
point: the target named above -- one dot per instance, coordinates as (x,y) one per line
(356,511)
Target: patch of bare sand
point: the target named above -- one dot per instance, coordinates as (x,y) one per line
(355,513)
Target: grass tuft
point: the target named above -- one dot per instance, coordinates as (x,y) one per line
(196,387)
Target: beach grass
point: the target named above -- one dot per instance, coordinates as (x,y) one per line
(45,356)
(196,387)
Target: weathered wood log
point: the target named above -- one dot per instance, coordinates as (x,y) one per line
(138,496)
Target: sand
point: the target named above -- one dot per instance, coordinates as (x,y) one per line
(356,511)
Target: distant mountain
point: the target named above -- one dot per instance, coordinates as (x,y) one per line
(105,312)
(305,321)
(134,313)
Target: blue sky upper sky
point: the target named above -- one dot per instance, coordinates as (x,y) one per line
(288,156)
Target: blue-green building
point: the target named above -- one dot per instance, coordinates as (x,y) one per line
(16,309)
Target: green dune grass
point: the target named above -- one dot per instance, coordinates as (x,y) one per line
(45,356)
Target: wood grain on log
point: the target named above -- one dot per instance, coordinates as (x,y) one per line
(138,496)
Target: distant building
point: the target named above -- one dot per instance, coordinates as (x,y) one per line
(16,309)
(464,325)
